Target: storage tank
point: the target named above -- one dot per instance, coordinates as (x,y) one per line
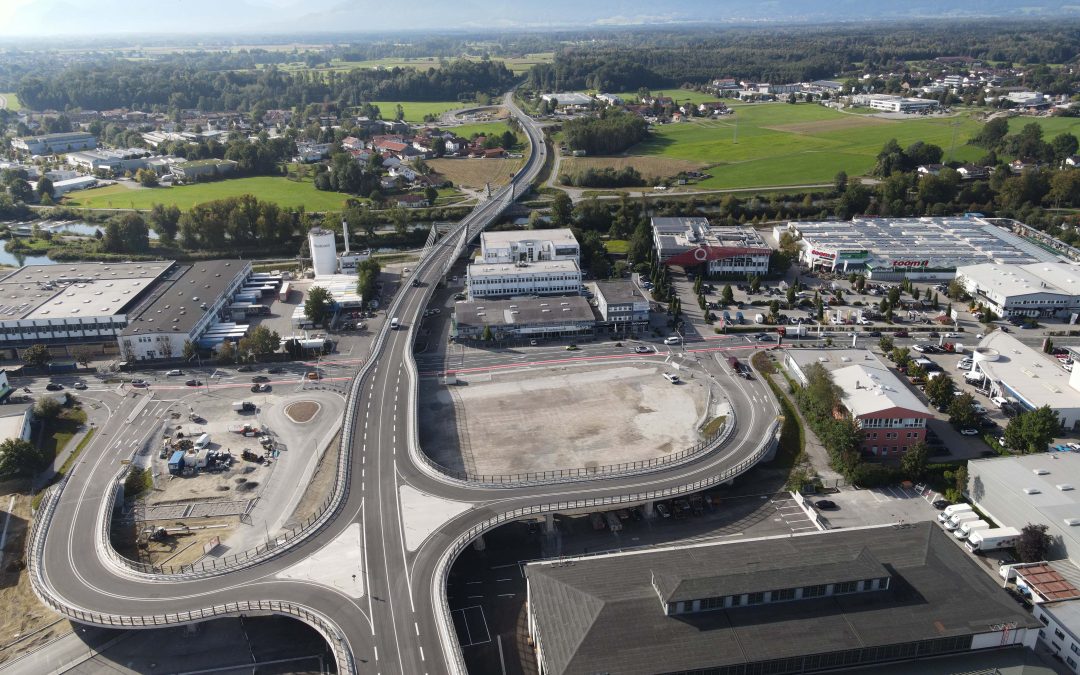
(323,251)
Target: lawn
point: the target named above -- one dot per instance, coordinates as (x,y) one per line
(11,101)
(780,144)
(476,172)
(284,192)
(483,128)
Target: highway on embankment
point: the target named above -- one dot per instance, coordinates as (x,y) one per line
(391,617)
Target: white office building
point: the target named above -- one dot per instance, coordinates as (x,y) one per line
(1050,289)
(513,246)
(889,249)
(48,144)
(896,104)
(549,277)
(1062,632)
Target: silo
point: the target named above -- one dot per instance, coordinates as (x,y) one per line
(323,251)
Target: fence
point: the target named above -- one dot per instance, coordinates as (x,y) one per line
(442,568)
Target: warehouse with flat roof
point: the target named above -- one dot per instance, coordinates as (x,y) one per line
(527,318)
(890,249)
(1032,489)
(791,604)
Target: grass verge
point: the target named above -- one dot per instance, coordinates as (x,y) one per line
(713,426)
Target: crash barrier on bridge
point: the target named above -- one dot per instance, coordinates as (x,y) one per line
(35,544)
(455,659)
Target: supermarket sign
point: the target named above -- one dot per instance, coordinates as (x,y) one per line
(911,263)
(823,254)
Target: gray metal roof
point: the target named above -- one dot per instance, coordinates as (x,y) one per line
(527,312)
(619,292)
(602,614)
(175,304)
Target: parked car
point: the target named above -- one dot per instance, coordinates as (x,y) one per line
(174,372)
(969,432)
(54,386)
(260,378)
(940,504)
(193,383)
(826,504)
(672,378)
(80,385)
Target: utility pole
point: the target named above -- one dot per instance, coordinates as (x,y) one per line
(736,139)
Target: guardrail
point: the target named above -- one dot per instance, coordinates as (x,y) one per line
(456,661)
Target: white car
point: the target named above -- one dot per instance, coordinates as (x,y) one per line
(965,364)
(174,371)
(672,378)
(969,432)
(672,340)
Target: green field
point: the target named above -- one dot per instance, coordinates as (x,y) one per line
(416,110)
(677,95)
(11,101)
(483,128)
(1052,126)
(284,192)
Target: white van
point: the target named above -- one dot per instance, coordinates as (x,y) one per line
(202,441)
(672,340)
(395,323)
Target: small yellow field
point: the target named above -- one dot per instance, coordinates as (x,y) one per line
(474,172)
(648,167)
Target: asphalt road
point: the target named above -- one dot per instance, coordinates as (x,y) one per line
(396,626)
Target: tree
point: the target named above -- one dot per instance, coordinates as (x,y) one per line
(83,355)
(367,278)
(262,341)
(165,221)
(790,297)
(487,336)
(913,463)
(20,458)
(37,355)
(727,296)
(226,353)
(317,305)
(146,177)
(885,343)
(47,409)
(400,217)
(561,210)
(840,183)
(755,284)
(1064,146)
(956,290)
(45,187)
(20,190)
(431,194)
(1032,431)
(901,356)
(962,411)
(940,391)
(190,350)
(1034,543)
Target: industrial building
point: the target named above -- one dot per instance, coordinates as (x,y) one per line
(889,249)
(890,414)
(729,251)
(189,171)
(896,104)
(1012,370)
(527,318)
(63,187)
(622,307)
(1041,290)
(15,421)
(325,260)
(792,604)
(1031,489)
(569,99)
(512,246)
(117,161)
(49,144)
(185,303)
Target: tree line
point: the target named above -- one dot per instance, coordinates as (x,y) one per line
(611,132)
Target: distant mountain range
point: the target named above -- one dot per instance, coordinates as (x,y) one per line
(32,18)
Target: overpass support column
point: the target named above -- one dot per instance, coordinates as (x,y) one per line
(549,523)
(729,482)
(479,544)
(647,509)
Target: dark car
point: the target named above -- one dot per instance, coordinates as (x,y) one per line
(901,334)
(874,333)
(825,504)
(260,378)
(275,371)
(940,504)
(244,369)
(260,387)
(193,383)
(53,386)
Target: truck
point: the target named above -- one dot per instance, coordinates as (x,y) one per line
(176,463)
(759,318)
(952,510)
(283,294)
(965,530)
(243,406)
(954,523)
(244,429)
(992,539)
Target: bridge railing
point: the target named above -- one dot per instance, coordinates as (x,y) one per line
(445,623)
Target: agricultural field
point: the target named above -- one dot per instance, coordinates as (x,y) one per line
(482,128)
(677,95)
(476,172)
(648,167)
(1052,126)
(284,192)
(777,144)
(9,101)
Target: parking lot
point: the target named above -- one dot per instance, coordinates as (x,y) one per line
(877,506)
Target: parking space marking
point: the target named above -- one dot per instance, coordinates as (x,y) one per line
(467,613)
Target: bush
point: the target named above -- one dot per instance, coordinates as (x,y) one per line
(138,482)
(868,475)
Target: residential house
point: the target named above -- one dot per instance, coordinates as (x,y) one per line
(930,169)
(972,172)
(1072,160)
(412,201)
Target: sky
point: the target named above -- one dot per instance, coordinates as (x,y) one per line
(36,18)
